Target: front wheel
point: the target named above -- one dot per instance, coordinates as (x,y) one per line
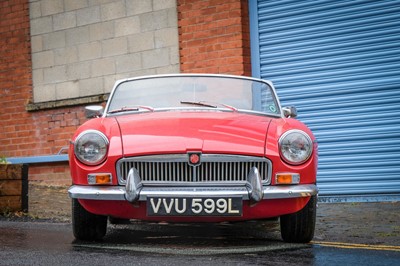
(299,227)
(87,226)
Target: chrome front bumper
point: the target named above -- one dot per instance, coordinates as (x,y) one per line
(134,191)
(119,192)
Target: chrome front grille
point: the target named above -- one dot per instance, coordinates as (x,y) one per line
(176,169)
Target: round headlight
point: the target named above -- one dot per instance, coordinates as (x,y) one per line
(295,147)
(91,147)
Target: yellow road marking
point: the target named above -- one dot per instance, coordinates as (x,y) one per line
(356,246)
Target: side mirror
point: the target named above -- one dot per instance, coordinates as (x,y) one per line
(93,111)
(290,112)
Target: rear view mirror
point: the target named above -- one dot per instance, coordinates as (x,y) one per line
(290,112)
(93,111)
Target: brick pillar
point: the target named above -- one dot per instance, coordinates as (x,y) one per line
(15,75)
(214,36)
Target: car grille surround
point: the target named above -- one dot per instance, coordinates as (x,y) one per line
(175,169)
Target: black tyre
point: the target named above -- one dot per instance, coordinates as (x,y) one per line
(299,227)
(87,226)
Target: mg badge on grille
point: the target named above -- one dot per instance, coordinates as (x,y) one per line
(194,159)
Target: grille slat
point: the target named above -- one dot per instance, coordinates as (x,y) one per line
(176,169)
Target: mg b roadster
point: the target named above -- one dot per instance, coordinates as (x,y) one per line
(193,148)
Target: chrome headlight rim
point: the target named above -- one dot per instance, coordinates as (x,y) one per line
(103,156)
(308,152)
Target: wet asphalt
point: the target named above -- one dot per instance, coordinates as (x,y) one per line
(346,234)
(42,242)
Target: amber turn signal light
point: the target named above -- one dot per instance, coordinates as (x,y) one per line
(287,178)
(99,179)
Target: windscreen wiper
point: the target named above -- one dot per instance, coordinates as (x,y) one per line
(199,104)
(131,108)
(211,105)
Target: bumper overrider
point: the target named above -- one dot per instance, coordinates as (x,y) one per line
(134,191)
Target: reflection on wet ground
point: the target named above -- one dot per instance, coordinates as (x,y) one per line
(195,239)
(199,235)
(249,243)
(35,236)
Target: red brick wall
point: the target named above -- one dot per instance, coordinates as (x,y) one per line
(52,130)
(214,36)
(25,133)
(15,76)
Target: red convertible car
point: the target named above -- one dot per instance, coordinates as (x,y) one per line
(193,148)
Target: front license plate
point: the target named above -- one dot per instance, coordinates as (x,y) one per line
(209,206)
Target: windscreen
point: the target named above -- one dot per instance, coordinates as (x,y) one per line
(217,92)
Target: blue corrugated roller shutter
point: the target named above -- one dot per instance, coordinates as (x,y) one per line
(338,62)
